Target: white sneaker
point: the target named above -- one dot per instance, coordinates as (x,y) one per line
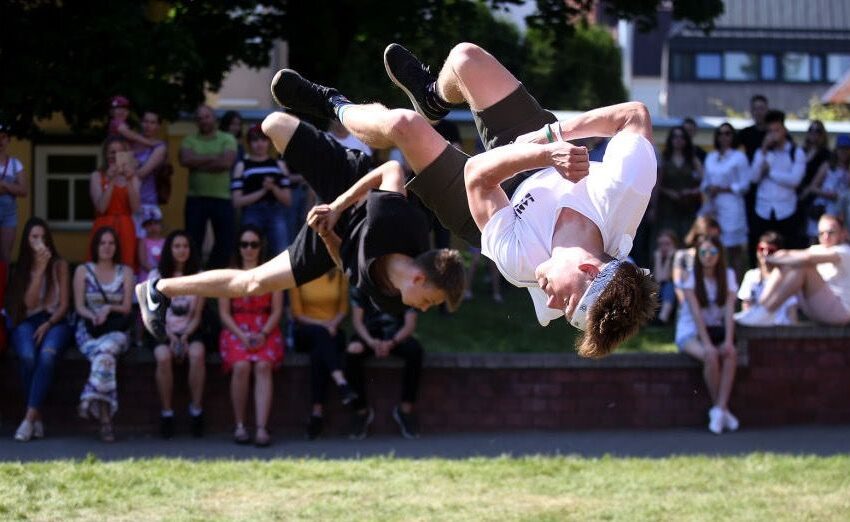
(24,432)
(715,420)
(38,429)
(730,422)
(756,316)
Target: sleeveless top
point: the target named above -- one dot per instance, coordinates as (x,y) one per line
(119,203)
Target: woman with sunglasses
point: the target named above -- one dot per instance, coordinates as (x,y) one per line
(710,301)
(818,275)
(829,184)
(183,336)
(251,340)
(726,180)
(753,284)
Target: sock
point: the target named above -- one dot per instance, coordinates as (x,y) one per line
(166,413)
(339,103)
(436,102)
(194,412)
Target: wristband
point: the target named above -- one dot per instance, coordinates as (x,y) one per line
(549,136)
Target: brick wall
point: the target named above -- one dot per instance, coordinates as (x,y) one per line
(786,375)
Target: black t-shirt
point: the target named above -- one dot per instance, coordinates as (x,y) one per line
(386,223)
(380,324)
(253,175)
(812,167)
(751,138)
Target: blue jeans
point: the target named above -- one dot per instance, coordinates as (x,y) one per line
(219,212)
(270,217)
(37,362)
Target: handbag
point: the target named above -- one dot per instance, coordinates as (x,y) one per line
(115,321)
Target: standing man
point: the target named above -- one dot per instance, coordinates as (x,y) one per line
(778,167)
(752,137)
(563,230)
(209,155)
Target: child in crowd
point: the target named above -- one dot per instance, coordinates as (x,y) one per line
(754,281)
(709,336)
(666,245)
(251,342)
(119,111)
(150,246)
(183,335)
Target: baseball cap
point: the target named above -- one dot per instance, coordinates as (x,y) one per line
(151,214)
(119,101)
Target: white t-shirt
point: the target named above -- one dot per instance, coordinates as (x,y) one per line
(614,196)
(836,275)
(712,315)
(751,288)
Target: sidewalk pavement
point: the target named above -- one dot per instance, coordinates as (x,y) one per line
(796,440)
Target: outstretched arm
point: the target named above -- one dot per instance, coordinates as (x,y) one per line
(602,122)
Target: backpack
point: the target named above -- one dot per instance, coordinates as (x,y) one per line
(162,179)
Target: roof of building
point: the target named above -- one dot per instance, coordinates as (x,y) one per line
(810,19)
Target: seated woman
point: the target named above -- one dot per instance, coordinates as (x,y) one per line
(753,283)
(251,338)
(182,322)
(102,299)
(36,307)
(819,276)
(709,336)
(318,308)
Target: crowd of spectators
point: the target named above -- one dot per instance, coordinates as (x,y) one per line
(755,224)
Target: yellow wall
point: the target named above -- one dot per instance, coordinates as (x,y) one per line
(72,244)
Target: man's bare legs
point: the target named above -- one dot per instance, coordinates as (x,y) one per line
(784,282)
(472,75)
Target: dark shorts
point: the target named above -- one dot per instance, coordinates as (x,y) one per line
(440,185)
(330,169)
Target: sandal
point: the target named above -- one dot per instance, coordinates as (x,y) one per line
(262,439)
(240,435)
(106,432)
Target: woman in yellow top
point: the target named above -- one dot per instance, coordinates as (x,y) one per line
(318,308)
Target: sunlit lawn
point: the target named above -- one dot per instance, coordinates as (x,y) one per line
(755,487)
(481,325)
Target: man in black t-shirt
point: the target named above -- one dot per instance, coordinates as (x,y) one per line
(380,334)
(366,226)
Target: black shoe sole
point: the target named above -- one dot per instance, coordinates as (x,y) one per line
(152,321)
(418,108)
(322,112)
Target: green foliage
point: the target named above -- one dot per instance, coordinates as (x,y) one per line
(828,111)
(577,71)
(70,57)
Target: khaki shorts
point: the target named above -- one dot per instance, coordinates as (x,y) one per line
(440,185)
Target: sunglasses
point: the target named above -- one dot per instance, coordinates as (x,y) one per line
(708,251)
(249,244)
(766,249)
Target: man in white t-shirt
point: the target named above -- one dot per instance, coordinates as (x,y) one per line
(564,231)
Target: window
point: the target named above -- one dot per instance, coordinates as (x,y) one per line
(768,67)
(681,66)
(836,66)
(62,184)
(708,66)
(795,67)
(817,67)
(740,66)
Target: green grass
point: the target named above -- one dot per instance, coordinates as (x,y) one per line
(754,487)
(481,325)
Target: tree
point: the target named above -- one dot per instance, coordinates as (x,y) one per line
(71,56)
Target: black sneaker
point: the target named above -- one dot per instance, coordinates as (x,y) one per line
(407,423)
(166,426)
(315,424)
(360,424)
(196,425)
(346,394)
(292,91)
(152,305)
(413,77)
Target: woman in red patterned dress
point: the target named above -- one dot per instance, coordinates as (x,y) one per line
(251,337)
